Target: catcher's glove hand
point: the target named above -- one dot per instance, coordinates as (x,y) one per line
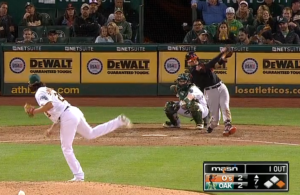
(183,105)
(29,109)
(173,89)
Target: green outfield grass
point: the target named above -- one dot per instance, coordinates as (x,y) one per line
(165,167)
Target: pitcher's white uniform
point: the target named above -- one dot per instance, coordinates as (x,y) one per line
(72,120)
(195,91)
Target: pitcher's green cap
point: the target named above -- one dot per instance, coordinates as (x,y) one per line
(34,78)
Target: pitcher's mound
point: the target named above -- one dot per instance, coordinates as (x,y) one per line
(84,188)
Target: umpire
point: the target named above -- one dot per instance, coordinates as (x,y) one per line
(203,75)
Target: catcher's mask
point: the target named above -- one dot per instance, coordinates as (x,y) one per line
(191,58)
(183,81)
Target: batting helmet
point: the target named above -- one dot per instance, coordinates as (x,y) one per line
(191,56)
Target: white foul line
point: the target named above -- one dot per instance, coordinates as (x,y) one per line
(17,141)
(39,140)
(254,141)
(221,139)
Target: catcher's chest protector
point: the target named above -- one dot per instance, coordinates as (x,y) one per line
(183,93)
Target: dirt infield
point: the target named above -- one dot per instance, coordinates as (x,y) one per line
(143,135)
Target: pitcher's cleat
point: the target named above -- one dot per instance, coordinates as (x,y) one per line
(75,180)
(229,131)
(168,124)
(126,121)
(199,126)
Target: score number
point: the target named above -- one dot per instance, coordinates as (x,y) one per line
(240,178)
(231,178)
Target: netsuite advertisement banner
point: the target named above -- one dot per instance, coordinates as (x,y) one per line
(119,67)
(53,67)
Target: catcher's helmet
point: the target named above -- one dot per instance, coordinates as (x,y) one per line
(191,56)
(183,77)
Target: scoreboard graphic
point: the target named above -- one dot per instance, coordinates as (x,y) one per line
(246,176)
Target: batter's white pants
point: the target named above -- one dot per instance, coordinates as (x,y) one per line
(218,99)
(72,120)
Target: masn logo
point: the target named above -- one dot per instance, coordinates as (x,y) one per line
(51,63)
(224,169)
(132,64)
(292,64)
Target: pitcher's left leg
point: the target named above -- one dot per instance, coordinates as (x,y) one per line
(224,104)
(68,126)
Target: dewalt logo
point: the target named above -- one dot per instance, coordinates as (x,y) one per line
(51,65)
(279,66)
(128,66)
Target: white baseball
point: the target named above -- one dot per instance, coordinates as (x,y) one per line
(21,192)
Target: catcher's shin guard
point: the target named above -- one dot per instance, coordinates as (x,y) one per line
(196,113)
(171,109)
(229,129)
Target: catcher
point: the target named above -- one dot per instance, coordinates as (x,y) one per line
(215,90)
(70,119)
(191,104)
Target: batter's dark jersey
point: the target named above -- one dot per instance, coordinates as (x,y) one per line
(205,78)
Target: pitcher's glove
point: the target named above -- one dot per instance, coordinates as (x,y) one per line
(29,109)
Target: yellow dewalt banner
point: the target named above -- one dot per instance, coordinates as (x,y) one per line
(119,67)
(268,68)
(53,67)
(173,63)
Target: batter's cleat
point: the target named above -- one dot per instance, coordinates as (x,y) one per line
(209,130)
(76,180)
(229,131)
(199,126)
(126,121)
(168,124)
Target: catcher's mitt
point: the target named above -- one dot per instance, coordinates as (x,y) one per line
(29,109)
(173,88)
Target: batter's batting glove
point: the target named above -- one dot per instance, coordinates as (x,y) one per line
(227,53)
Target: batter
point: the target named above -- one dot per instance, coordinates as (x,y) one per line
(215,90)
(70,119)
(191,104)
